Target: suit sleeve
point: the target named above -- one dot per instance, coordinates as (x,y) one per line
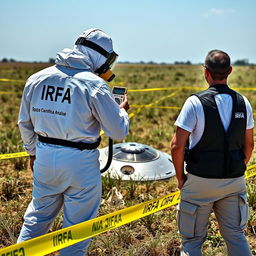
(24,122)
(114,121)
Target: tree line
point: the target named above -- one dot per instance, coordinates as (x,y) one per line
(240,62)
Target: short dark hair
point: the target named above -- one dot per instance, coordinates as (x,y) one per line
(218,64)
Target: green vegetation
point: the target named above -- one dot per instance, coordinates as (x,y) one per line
(152,125)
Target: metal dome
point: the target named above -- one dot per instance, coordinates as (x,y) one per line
(137,161)
(134,152)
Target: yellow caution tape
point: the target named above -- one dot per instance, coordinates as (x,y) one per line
(147,89)
(154,89)
(65,237)
(244,89)
(153,103)
(11,80)
(184,88)
(251,171)
(162,107)
(13,155)
(7,92)
(139,109)
(62,238)
(117,83)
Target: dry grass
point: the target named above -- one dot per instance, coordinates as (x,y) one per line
(155,234)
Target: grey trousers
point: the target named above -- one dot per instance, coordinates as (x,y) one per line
(227,198)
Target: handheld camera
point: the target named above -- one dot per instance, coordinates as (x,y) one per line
(118,93)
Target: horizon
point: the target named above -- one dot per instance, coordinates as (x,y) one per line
(244,62)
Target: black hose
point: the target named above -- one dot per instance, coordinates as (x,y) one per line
(110,155)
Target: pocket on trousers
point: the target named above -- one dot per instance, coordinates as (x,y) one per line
(186,218)
(244,210)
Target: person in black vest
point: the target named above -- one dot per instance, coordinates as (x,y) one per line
(215,130)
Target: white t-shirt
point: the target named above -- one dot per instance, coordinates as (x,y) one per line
(191,117)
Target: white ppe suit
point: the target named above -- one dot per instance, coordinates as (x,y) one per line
(67,101)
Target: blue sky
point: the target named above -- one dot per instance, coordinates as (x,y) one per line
(142,30)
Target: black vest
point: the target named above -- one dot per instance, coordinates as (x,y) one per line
(219,153)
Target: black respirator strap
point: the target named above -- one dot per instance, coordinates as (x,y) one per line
(92,45)
(102,69)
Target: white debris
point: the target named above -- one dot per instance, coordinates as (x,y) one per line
(115,198)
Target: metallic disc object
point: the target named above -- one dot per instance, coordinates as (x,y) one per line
(137,161)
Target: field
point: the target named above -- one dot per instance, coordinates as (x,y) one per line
(153,114)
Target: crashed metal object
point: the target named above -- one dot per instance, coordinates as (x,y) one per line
(135,161)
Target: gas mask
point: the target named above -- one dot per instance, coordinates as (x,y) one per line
(105,70)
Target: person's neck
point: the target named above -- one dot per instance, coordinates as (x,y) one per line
(211,83)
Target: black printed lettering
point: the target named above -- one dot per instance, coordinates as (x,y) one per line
(67,96)
(22,251)
(16,252)
(42,96)
(62,238)
(167,200)
(49,92)
(56,94)
(96,226)
(113,220)
(151,206)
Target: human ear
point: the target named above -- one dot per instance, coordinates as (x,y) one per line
(230,70)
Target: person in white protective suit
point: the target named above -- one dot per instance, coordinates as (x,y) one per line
(62,111)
